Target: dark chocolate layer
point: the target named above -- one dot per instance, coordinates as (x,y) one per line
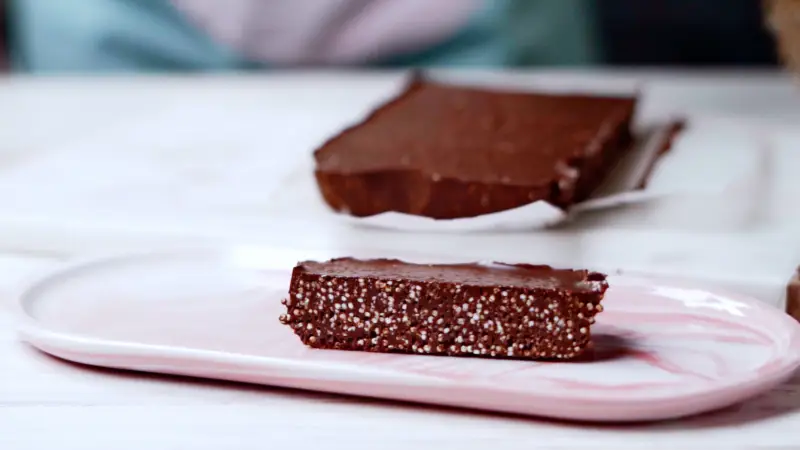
(519,311)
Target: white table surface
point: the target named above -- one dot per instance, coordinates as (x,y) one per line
(45,403)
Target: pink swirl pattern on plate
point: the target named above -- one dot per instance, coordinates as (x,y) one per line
(661,351)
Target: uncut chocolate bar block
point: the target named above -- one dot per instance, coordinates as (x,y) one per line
(504,311)
(448,152)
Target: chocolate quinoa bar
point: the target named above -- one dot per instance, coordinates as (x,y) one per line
(447,152)
(793,295)
(497,310)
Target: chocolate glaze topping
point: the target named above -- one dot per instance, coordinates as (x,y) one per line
(512,275)
(477,135)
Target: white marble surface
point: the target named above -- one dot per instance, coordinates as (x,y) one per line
(47,403)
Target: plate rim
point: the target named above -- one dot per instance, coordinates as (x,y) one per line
(32,331)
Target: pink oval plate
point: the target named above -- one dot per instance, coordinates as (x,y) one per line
(663,350)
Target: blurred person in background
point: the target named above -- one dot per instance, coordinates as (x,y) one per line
(46,36)
(3,37)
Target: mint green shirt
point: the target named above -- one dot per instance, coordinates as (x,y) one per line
(151,35)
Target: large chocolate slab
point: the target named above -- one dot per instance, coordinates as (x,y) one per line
(445,151)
